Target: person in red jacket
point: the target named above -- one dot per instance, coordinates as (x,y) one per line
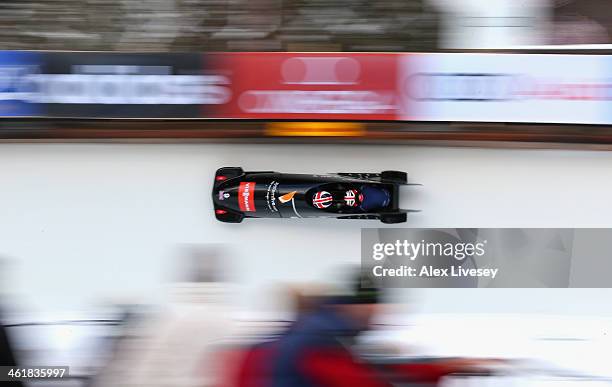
(316,349)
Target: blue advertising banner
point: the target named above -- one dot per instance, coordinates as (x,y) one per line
(18,84)
(123,85)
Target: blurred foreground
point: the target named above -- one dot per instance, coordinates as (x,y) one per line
(343,332)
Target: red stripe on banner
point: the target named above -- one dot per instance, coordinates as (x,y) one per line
(355,86)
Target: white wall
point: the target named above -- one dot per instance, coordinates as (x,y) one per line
(83,223)
(493,24)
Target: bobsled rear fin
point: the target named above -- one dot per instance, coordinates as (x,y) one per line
(395,177)
(398,217)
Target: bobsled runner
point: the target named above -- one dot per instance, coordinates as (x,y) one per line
(238,194)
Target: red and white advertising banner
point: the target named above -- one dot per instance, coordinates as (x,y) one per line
(311,86)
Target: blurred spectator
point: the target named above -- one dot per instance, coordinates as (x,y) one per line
(7,354)
(315,350)
(7,357)
(177,347)
(305,298)
(581,22)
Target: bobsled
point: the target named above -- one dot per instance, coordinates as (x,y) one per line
(264,194)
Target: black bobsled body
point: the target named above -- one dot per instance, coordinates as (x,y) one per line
(238,195)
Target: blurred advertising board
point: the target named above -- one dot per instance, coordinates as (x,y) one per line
(512,88)
(530,88)
(311,86)
(17,88)
(122,85)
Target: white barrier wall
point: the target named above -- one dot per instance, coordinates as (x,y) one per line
(87,223)
(468,24)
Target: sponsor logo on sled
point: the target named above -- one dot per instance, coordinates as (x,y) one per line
(287,197)
(246,194)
